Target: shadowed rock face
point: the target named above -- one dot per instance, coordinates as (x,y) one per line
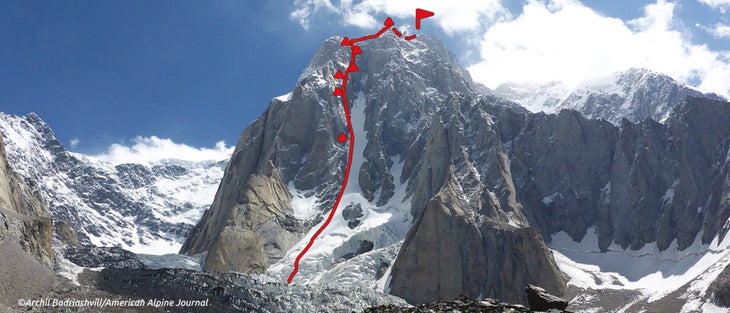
(639,183)
(24,217)
(452,251)
(471,236)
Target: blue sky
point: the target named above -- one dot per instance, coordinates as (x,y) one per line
(197,72)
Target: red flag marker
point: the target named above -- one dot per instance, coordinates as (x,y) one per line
(421,14)
(342,138)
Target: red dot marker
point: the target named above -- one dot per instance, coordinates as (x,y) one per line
(421,14)
(342,138)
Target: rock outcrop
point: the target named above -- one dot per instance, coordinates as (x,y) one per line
(469,238)
(541,300)
(24,217)
(26,234)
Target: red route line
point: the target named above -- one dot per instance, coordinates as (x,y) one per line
(345,42)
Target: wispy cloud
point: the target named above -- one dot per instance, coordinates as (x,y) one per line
(719,30)
(721,5)
(150,149)
(451,17)
(74,142)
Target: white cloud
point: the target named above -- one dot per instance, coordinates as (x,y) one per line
(722,5)
(566,41)
(150,149)
(74,142)
(451,16)
(719,30)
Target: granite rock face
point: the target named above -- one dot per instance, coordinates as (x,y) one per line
(256,230)
(24,216)
(452,250)
(471,236)
(634,183)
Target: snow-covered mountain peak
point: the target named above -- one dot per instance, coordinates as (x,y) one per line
(634,94)
(141,207)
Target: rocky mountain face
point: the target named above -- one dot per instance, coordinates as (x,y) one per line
(634,94)
(472,236)
(24,215)
(297,136)
(141,207)
(452,192)
(26,234)
(416,159)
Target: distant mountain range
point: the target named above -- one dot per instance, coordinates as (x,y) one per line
(634,94)
(145,208)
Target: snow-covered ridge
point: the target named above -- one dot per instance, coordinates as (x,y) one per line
(144,208)
(634,94)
